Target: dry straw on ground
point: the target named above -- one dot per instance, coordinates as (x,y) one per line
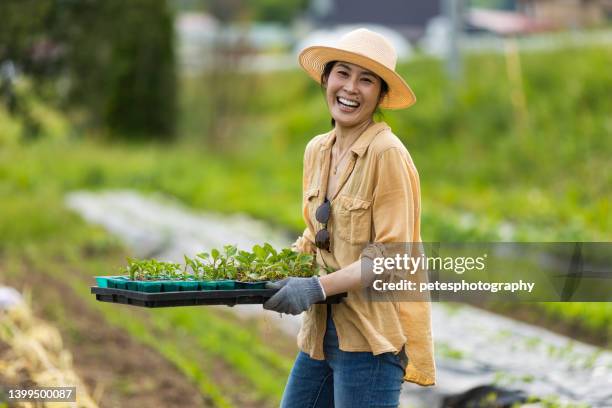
(33,353)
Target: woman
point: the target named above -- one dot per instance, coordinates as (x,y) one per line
(360,186)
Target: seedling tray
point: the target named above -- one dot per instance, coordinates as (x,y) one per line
(123,282)
(192,298)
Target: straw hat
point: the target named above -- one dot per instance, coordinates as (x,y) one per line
(369,50)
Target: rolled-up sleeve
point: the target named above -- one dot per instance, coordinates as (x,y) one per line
(305,243)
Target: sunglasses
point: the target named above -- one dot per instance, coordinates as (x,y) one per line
(322,215)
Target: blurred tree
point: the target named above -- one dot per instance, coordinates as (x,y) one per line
(19,30)
(123,65)
(26,46)
(141,96)
(281,11)
(278,11)
(26,30)
(496,4)
(118,57)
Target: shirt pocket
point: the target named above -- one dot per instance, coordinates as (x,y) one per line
(353,219)
(310,203)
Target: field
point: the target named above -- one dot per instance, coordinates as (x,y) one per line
(490,170)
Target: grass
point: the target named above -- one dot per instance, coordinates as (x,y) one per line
(262,366)
(483,177)
(263,370)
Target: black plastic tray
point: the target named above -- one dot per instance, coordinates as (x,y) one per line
(193,298)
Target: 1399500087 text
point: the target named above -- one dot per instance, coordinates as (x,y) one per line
(48,394)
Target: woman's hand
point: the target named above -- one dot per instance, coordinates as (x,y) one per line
(295,295)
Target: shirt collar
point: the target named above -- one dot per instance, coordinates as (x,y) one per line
(362,143)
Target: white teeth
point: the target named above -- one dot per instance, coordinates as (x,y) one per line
(348,102)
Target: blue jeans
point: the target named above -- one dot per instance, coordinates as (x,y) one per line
(344,379)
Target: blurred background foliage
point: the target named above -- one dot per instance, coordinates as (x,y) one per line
(100,103)
(277,11)
(114,61)
(483,176)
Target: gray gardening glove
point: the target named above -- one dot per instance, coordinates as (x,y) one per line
(295,295)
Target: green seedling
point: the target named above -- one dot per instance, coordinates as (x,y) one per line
(262,263)
(152,269)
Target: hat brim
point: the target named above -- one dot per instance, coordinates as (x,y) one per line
(313,60)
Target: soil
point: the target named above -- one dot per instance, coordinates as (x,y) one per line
(118,371)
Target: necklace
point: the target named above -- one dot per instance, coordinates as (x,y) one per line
(348,149)
(339,160)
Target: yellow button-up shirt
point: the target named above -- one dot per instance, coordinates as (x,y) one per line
(377,201)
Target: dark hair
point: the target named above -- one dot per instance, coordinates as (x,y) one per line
(384,88)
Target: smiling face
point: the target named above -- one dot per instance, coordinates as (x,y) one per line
(352,94)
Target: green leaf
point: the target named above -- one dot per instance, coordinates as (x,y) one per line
(270,249)
(260,253)
(230,250)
